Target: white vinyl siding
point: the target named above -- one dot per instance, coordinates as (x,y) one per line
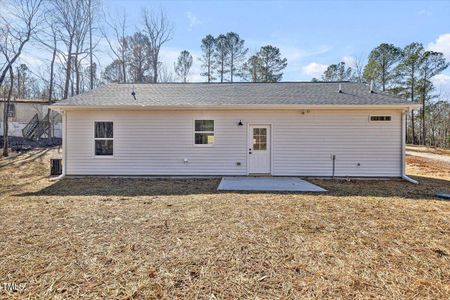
(159,142)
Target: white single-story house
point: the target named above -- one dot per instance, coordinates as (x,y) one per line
(278,129)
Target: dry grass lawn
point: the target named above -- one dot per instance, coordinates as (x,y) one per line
(154,238)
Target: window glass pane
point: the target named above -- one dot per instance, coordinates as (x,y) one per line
(104,147)
(104,130)
(11,110)
(262,138)
(259,138)
(204,138)
(204,125)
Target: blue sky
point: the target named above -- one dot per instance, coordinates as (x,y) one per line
(310,34)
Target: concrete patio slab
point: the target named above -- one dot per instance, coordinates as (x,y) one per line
(271,184)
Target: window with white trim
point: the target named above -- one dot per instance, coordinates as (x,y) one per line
(104,138)
(380,118)
(204,132)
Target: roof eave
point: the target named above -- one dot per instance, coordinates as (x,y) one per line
(236,107)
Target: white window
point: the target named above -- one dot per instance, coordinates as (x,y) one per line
(380,118)
(103,138)
(204,132)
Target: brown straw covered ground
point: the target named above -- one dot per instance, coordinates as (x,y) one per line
(119,238)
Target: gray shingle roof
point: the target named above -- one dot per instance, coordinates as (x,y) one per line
(215,94)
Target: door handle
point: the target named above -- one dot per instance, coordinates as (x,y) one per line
(249,150)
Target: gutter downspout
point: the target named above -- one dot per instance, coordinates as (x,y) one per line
(403,147)
(64,148)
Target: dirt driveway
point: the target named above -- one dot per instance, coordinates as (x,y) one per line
(442,155)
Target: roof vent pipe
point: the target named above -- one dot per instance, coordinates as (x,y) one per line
(340,88)
(371,86)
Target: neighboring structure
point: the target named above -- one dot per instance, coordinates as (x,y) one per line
(22,111)
(281,129)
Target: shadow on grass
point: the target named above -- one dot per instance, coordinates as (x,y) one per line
(103,186)
(426,189)
(24,158)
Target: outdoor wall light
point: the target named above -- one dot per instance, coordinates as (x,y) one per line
(240,123)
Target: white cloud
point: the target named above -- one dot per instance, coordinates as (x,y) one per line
(193,20)
(350,61)
(297,58)
(442,44)
(424,12)
(441,79)
(442,83)
(314,69)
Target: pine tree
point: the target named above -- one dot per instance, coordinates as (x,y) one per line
(207,59)
(252,69)
(271,63)
(138,58)
(408,69)
(431,64)
(337,72)
(381,63)
(113,71)
(237,53)
(183,65)
(221,56)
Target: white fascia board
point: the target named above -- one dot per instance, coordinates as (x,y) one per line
(236,107)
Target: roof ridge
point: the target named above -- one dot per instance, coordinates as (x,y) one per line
(229,83)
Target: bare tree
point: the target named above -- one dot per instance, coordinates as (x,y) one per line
(6,104)
(118,26)
(72,18)
(93,8)
(16,29)
(165,75)
(50,84)
(80,51)
(91,69)
(159,31)
(359,68)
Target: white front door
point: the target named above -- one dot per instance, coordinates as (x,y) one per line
(259,149)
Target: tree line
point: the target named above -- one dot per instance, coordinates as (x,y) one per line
(405,72)
(224,59)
